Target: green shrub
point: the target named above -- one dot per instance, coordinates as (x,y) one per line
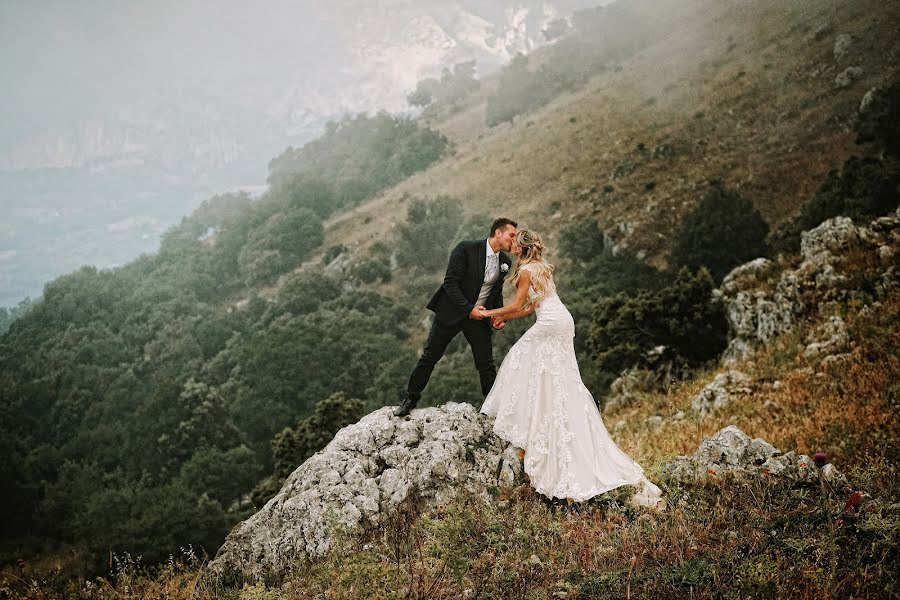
(452,86)
(281,243)
(304,292)
(359,156)
(879,120)
(684,317)
(598,36)
(432,227)
(723,231)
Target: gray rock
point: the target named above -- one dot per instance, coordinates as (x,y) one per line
(731,451)
(627,387)
(367,471)
(842,45)
(834,236)
(746,275)
(721,391)
(338,265)
(831,474)
(868,101)
(847,77)
(829,338)
(654,421)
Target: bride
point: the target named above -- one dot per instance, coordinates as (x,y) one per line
(540,403)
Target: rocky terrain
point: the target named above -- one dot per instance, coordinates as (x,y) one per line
(363,476)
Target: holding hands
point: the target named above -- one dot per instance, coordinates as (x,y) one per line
(479,312)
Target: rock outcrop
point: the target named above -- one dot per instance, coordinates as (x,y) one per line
(731,451)
(829,339)
(361,477)
(761,303)
(721,391)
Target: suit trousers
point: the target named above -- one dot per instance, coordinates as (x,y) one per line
(478,334)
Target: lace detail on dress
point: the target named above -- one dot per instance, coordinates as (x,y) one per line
(542,406)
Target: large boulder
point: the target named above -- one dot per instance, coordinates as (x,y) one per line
(367,471)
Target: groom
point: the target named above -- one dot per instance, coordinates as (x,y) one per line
(474,281)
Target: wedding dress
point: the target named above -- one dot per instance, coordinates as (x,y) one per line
(541,405)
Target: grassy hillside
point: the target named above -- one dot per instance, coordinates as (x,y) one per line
(737,91)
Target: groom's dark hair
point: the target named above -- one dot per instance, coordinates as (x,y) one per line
(500,224)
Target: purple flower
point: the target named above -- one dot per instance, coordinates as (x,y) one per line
(821,459)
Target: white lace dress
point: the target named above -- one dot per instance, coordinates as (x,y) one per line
(541,405)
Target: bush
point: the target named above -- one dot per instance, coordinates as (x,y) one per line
(723,231)
(684,317)
(359,156)
(519,90)
(432,227)
(304,292)
(452,86)
(863,189)
(371,270)
(279,244)
(597,272)
(599,36)
(879,120)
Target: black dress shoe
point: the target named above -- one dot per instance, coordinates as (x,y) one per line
(407,405)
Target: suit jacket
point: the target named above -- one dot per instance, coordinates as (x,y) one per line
(455,299)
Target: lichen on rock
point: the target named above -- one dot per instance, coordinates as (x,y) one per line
(367,471)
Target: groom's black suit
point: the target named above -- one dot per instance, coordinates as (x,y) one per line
(452,303)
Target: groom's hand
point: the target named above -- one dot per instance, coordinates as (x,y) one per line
(497,323)
(477,313)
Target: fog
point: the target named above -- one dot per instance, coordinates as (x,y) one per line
(117,119)
(62,61)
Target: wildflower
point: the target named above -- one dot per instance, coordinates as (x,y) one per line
(853,500)
(821,459)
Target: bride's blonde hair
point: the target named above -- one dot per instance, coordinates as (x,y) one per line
(533,253)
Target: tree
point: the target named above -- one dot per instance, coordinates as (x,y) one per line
(205,424)
(879,119)
(283,241)
(684,317)
(723,231)
(453,85)
(304,292)
(223,475)
(431,228)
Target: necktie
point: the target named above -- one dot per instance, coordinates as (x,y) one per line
(490,270)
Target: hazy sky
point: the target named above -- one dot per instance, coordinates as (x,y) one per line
(61,59)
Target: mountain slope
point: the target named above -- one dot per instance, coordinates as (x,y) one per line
(740,92)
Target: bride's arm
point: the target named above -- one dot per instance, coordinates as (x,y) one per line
(514,309)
